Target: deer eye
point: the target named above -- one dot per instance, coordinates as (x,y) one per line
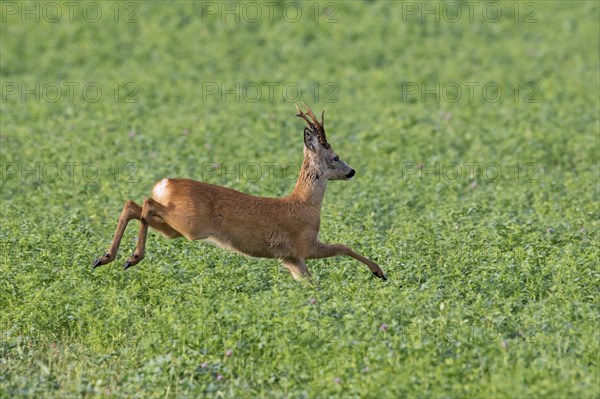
(336,158)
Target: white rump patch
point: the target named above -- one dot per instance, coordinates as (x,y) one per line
(159,193)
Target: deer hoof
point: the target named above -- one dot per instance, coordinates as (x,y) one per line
(381,275)
(127,265)
(102,260)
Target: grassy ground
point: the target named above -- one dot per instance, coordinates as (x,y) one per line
(481,206)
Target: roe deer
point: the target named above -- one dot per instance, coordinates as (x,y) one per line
(286,228)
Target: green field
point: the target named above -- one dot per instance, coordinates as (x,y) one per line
(473,128)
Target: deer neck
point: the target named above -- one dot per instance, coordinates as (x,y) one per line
(311,185)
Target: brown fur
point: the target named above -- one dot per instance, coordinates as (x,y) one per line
(285,228)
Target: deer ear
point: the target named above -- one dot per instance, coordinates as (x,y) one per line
(310,140)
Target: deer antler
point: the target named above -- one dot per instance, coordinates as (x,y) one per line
(303,116)
(317,127)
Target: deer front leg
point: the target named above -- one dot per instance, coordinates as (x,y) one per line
(131,210)
(322,250)
(297,267)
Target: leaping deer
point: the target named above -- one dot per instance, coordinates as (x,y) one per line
(285,228)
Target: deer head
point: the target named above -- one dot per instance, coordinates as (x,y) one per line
(322,158)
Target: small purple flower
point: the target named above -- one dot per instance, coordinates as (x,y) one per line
(551,230)
(131,134)
(446,115)
(383,327)
(229,353)
(204,365)
(337,380)
(312,301)
(365,369)
(219,377)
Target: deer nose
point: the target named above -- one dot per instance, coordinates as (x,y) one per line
(349,175)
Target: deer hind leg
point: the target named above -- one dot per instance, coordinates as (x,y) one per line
(328,250)
(152,214)
(297,267)
(131,211)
